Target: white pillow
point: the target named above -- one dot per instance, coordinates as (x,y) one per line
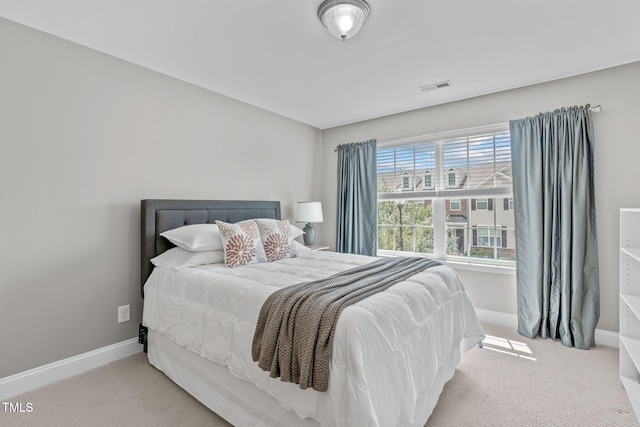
(294,231)
(178,258)
(196,237)
(300,247)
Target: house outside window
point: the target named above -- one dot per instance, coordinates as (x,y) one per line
(442,220)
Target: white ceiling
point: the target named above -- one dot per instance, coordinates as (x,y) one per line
(278,56)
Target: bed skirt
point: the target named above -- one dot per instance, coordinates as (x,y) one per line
(237,401)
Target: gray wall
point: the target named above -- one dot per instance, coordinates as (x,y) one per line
(617,171)
(84,137)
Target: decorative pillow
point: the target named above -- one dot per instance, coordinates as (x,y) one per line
(178,258)
(242,243)
(293,230)
(195,237)
(276,239)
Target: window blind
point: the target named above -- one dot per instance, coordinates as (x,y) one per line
(481,164)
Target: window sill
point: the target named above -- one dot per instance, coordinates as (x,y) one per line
(481,268)
(461,265)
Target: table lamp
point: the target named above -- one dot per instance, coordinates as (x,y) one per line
(309,212)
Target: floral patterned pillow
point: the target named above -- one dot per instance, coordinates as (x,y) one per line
(276,239)
(242,244)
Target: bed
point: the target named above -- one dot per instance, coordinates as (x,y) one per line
(392,353)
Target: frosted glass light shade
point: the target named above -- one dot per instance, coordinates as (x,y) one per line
(343,18)
(309,212)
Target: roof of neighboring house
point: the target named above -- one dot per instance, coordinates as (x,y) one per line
(474,177)
(457,218)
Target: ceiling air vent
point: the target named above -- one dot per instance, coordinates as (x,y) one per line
(435,86)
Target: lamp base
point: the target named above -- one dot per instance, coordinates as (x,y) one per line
(309,234)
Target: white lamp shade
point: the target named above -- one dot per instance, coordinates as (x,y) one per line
(343,19)
(309,212)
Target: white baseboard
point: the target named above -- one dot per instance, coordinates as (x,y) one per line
(32,379)
(606,338)
(497,318)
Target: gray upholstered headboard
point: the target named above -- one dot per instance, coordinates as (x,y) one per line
(160,215)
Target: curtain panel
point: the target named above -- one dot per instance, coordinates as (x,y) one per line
(556,244)
(357,199)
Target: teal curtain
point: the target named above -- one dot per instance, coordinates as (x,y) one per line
(555,223)
(357,198)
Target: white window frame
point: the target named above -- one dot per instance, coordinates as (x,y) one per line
(440,180)
(458,204)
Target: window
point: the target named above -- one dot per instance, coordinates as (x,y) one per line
(453,214)
(482,204)
(451,179)
(487,237)
(427,182)
(406,183)
(508,203)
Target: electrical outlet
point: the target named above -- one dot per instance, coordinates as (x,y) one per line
(124,313)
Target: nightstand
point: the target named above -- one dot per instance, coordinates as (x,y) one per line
(319,248)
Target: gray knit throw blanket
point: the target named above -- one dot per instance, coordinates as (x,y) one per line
(296,325)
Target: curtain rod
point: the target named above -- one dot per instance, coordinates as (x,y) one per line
(594,109)
(496,127)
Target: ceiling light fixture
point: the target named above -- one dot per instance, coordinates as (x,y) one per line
(343,18)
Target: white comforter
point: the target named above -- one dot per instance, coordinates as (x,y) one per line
(393,352)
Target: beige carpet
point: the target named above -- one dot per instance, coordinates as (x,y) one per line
(513,381)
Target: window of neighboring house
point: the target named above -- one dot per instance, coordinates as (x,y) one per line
(406,182)
(482,204)
(508,203)
(451,179)
(488,237)
(427,182)
(472,165)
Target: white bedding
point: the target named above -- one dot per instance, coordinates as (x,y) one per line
(393,352)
